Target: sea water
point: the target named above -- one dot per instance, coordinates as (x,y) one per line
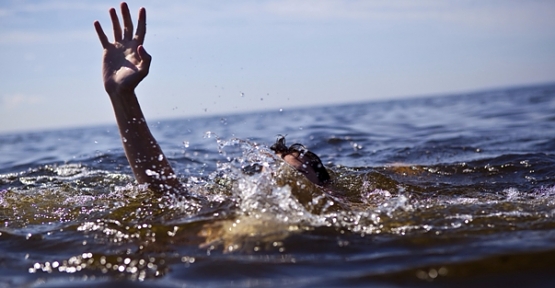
(448,191)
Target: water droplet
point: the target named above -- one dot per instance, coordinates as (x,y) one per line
(432,273)
(442,271)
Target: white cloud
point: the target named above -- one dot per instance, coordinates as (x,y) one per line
(485,13)
(37,22)
(13,7)
(16,37)
(491,16)
(16,100)
(483,17)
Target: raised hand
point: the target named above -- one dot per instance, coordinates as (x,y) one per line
(125,62)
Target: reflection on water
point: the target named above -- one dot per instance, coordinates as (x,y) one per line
(450,190)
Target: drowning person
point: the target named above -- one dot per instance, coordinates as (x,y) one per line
(125,63)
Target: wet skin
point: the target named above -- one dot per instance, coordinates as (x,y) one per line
(306,162)
(125,63)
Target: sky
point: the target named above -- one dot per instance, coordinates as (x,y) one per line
(229,57)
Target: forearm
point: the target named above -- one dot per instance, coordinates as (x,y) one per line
(148,162)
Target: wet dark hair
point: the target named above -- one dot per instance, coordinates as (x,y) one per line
(279,146)
(311,163)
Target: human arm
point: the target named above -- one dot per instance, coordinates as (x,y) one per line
(125,63)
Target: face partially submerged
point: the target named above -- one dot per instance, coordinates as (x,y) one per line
(303,160)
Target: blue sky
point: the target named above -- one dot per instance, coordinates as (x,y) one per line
(222,57)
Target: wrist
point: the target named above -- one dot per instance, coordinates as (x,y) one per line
(118,90)
(122,97)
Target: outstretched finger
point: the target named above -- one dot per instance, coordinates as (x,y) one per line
(101,35)
(127,22)
(141,26)
(115,24)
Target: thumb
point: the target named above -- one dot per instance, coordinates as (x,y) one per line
(144,57)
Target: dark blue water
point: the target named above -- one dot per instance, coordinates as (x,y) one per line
(445,191)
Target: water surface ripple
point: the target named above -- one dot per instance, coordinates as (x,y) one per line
(447,191)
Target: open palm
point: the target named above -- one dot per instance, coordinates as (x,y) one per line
(125,62)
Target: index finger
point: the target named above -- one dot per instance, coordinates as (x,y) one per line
(101,35)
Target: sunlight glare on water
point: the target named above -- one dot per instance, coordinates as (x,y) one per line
(446,190)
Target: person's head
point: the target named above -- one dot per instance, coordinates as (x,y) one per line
(306,162)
